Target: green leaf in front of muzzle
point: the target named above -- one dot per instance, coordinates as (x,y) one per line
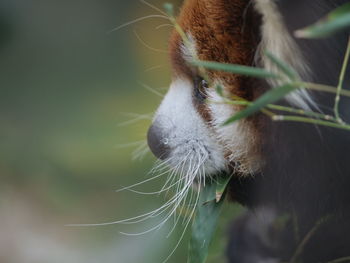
(205,220)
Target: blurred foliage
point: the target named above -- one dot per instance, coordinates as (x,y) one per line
(66,84)
(336,21)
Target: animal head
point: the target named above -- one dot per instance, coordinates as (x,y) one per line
(187,130)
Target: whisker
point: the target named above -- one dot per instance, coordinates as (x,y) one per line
(152,214)
(134,114)
(174,226)
(164,25)
(175,171)
(189,204)
(140,183)
(171,177)
(135,120)
(148,46)
(152,90)
(158,226)
(153,68)
(131,144)
(184,231)
(137,20)
(170,180)
(180,178)
(178,219)
(153,7)
(161,165)
(140,151)
(157,192)
(114,222)
(144,232)
(143,217)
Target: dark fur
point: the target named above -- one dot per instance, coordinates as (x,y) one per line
(307,170)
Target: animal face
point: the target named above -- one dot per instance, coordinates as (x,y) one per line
(304,174)
(187,129)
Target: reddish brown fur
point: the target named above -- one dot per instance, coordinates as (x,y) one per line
(225,31)
(216,26)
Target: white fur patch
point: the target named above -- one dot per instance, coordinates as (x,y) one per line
(189,51)
(186,133)
(238,138)
(277,39)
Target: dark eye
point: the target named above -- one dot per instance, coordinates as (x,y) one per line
(200,89)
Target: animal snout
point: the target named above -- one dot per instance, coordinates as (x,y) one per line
(157,142)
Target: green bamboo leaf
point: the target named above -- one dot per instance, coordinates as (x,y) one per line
(219,90)
(221,186)
(269,97)
(237,69)
(284,67)
(204,224)
(337,20)
(342,10)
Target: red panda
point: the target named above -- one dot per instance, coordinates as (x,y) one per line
(278,168)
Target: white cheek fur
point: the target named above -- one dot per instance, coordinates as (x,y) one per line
(186,133)
(277,39)
(238,138)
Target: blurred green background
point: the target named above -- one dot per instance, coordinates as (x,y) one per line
(71,95)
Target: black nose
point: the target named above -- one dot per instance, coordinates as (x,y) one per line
(157,143)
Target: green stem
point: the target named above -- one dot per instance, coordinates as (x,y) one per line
(301,112)
(296,227)
(306,239)
(340,260)
(311,121)
(341,81)
(321,87)
(285,109)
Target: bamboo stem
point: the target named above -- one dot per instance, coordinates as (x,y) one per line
(340,84)
(311,121)
(340,260)
(282,108)
(323,88)
(306,239)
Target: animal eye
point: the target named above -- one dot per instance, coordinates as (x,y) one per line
(200,87)
(204,84)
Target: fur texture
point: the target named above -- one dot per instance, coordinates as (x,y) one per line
(276,38)
(291,168)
